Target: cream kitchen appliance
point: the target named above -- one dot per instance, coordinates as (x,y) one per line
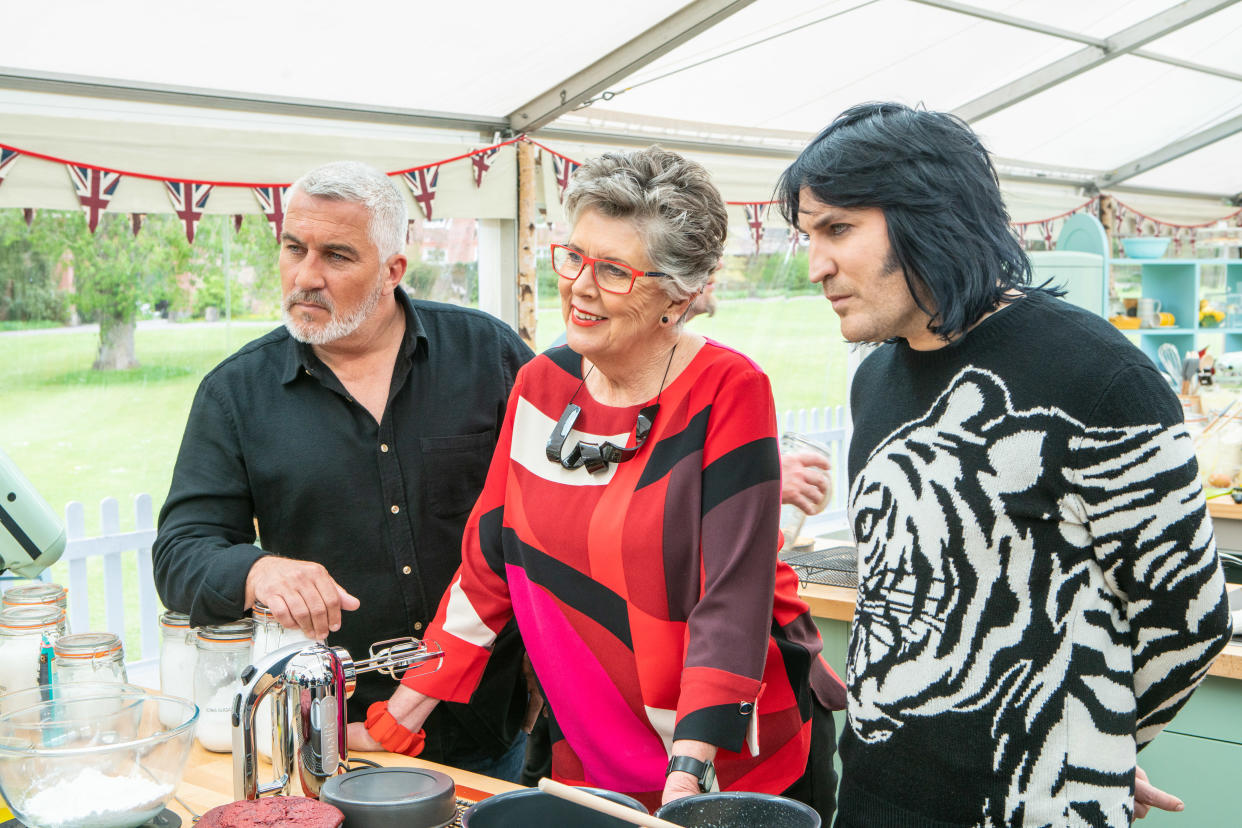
(31,538)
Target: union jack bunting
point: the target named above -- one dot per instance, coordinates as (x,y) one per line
(189,199)
(135,222)
(95,189)
(272,203)
(28,215)
(237,223)
(7,158)
(564,170)
(755,213)
(422,183)
(482,162)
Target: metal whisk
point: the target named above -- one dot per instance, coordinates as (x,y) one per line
(392,657)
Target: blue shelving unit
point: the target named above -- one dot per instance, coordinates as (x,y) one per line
(1178,285)
(1082,262)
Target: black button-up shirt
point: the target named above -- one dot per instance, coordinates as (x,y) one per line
(273,435)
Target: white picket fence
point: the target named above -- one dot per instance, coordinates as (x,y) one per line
(827,425)
(113,547)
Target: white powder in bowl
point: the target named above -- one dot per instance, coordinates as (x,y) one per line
(91,799)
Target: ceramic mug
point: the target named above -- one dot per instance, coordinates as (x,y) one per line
(1149,312)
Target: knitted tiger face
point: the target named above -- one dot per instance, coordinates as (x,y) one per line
(937,488)
(974,552)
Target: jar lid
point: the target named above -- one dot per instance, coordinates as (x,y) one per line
(233,631)
(795,441)
(32,617)
(87,645)
(35,594)
(173,618)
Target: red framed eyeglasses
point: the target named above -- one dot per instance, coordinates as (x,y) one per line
(609,276)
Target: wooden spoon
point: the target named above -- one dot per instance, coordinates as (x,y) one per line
(603,806)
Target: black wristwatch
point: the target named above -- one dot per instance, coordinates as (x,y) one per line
(705,772)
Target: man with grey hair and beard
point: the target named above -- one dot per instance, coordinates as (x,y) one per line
(328,468)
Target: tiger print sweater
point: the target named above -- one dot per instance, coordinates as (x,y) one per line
(1039,586)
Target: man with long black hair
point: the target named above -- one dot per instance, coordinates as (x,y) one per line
(1039,589)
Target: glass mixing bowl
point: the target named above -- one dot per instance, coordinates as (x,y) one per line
(99,760)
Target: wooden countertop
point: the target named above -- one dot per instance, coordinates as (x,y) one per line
(1224,508)
(208,779)
(837,604)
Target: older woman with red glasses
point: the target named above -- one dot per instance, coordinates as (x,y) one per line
(630,523)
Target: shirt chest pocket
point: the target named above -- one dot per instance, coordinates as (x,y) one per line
(455,468)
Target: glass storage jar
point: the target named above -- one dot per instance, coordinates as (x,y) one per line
(85,662)
(224,651)
(178,657)
(30,595)
(92,656)
(269,636)
(792,517)
(26,638)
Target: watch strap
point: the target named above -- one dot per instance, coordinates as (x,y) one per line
(704,771)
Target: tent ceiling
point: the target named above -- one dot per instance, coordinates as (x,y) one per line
(763,78)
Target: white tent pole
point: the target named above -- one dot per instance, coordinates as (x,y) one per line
(1170,152)
(1077,37)
(623,61)
(1121,43)
(228,295)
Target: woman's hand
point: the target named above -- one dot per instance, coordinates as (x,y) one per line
(677,785)
(680,783)
(408,707)
(358,738)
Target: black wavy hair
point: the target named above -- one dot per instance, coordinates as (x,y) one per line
(947,224)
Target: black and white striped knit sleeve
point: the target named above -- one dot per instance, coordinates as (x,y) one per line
(1136,474)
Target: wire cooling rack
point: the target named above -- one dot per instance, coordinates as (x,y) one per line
(833,566)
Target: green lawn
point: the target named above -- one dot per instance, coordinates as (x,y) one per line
(796,340)
(81,435)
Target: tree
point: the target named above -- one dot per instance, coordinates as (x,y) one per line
(28,288)
(252,247)
(112,272)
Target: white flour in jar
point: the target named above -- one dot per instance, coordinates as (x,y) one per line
(19,664)
(215,720)
(91,799)
(177,664)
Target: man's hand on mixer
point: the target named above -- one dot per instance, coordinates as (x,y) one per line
(299,593)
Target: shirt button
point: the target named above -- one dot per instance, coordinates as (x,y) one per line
(418,625)
(405,570)
(395,508)
(384,447)
(745,708)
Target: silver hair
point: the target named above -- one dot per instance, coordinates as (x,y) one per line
(676,209)
(359,183)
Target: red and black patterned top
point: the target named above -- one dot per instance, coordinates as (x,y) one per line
(649,595)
